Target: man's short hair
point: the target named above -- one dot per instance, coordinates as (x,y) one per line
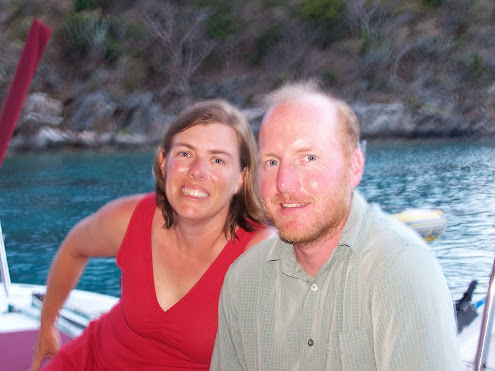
(294,91)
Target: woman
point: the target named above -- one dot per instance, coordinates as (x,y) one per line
(173,247)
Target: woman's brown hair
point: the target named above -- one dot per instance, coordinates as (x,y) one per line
(245,208)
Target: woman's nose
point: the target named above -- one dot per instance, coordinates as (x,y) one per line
(198,169)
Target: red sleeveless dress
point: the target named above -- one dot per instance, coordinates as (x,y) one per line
(136,333)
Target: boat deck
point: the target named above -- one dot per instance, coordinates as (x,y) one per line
(17,349)
(19,321)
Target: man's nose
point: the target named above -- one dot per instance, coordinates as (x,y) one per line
(287,179)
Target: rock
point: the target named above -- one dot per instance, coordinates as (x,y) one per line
(40,109)
(94,111)
(379,120)
(139,115)
(48,137)
(131,140)
(18,143)
(145,117)
(90,139)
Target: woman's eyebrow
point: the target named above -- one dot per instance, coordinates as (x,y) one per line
(212,151)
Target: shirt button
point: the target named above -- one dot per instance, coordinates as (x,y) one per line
(314,287)
(311,342)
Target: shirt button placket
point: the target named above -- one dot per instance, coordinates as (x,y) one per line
(309,317)
(314,288)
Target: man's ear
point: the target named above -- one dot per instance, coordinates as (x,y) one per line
(357,167)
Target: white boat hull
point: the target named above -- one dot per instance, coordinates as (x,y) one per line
(19,320)
(469,340)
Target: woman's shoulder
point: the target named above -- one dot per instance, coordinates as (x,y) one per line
(126,201)
(261,234)
(119,210)
(246,269)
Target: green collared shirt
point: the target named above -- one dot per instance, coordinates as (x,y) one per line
(380,302)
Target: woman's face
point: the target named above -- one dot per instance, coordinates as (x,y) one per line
(203,172)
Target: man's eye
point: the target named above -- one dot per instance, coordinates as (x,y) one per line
(311,157)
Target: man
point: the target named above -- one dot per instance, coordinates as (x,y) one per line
(344,286)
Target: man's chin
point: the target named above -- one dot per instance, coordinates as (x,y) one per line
(290,231)
(291,235)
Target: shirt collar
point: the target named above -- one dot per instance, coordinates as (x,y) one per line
(283,253)
(355,221)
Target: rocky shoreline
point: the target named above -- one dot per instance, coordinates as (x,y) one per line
(98,122)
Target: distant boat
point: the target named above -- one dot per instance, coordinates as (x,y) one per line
(429,223)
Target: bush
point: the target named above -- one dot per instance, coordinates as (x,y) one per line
(433,3)
(330,77)
(436,46)
(88,35)
(80,5)
(263,43)
(113,50)
(134,74)
(106,5)
(473,65)
(221,25)
(328,12)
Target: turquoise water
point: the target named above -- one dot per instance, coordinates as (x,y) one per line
(42,195)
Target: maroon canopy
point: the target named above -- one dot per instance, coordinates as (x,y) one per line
(37,39)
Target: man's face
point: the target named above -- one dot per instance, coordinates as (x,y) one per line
(306,177)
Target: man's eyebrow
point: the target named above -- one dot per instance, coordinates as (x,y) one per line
(306,150)
(267,154)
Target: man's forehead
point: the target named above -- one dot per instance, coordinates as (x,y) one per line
(309,105)
(311,113)
(314,133)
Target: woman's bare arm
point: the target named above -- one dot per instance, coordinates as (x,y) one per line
(98,235)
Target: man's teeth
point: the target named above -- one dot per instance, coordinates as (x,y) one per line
(193,193)
(291,205)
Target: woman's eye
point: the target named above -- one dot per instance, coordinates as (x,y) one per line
(183,154)
(272,162)
(218,161)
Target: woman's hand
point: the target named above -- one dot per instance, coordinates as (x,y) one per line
(47,345)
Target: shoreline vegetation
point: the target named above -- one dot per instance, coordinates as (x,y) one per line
(115,72)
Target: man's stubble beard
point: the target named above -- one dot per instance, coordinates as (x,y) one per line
(326,222)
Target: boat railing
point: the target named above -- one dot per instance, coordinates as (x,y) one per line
(486,326)
(4,267)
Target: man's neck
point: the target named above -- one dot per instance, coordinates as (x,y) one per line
(311,256)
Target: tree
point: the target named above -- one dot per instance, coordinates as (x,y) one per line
(182,44)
